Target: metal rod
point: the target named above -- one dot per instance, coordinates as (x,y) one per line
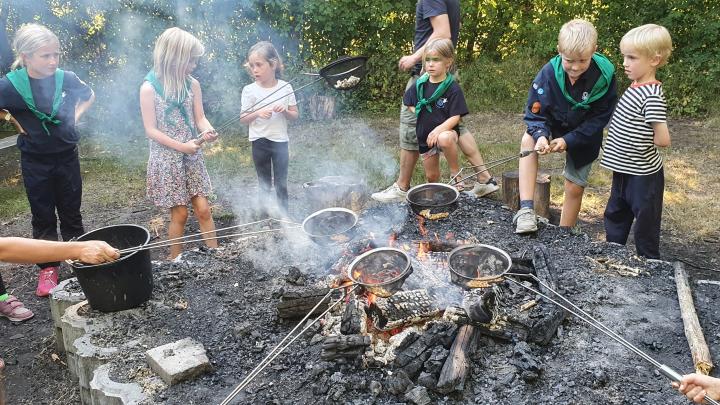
(268,359)
(668,372)
(195,235)
(489,166)
(232,235)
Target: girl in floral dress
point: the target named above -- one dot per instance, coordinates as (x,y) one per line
(172,113)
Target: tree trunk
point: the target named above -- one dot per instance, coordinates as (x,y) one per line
(511,192)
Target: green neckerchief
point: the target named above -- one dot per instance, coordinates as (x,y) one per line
(20,80)
(423,102)
(172,104)
(607,70)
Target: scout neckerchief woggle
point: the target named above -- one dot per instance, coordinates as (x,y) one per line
(607,70)
(172,104)
(427,102)
(20,80)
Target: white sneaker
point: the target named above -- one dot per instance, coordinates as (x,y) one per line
(390,194)
(483,189)
(525,220)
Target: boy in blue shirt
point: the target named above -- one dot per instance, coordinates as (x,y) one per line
(570,102)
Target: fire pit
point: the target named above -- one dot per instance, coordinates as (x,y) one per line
(330,226)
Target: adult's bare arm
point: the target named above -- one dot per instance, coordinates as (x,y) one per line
(23,250)
(441,29)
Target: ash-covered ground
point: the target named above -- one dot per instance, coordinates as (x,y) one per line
(226,299)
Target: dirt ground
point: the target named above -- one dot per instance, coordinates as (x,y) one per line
(647,305)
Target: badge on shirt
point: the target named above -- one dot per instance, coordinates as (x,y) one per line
(535,108)
(535,86)
(441,102)
(540,91)
(585,95)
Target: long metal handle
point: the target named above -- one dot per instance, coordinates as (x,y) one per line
(488,166)
(584,316)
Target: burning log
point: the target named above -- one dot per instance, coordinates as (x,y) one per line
(455,369)
(693,331)
(296,304)
(511,192)
(403,308)
(354,319)
(344,346)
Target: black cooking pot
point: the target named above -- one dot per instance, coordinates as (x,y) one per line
(433,200)
(478,266)
(381,271)
(330,226)
(124,283)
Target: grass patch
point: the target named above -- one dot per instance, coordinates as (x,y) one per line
(14,200)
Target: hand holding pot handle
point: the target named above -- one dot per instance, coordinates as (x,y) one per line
(96,251)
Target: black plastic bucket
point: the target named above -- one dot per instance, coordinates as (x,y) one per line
(123,284)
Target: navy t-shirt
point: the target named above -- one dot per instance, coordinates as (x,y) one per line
(63,137)
(450,104)
(432,8)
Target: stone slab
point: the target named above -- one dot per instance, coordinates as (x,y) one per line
(178,361)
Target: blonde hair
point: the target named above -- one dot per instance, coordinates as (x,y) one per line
(443,47)
(270,54)
(577,37)
(651,40)
(28,39)
(173,50)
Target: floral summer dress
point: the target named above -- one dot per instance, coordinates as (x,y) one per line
(173,177)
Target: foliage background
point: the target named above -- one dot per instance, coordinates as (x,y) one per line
(502,44)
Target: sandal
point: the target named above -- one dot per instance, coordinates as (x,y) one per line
(14,310)
(459,186)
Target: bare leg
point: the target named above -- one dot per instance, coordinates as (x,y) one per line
(448,143)
(408,160)
(528,169)
(201,207)
(432,168)
(571,203)
(178,218)
(470,149)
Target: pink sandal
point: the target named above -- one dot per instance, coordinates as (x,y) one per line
(14,310)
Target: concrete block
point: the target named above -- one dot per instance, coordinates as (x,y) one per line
(89,357)
(104,391)
(178,361)
(75,325)
(60,299)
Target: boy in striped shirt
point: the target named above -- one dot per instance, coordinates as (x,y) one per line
(637,127)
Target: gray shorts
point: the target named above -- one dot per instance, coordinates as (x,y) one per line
(408,138)
(578,175)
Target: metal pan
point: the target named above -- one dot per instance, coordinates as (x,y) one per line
(380,271)
(330,226)
(478,265)
(433,200)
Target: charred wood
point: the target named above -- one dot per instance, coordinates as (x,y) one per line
(545,327)
(354,320)
(411,357)
(455,369)
(344,346)
(297,304)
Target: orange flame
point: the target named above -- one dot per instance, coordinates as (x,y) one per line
(421,225)
(423,250)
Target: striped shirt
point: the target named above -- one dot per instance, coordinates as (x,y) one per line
(629,147)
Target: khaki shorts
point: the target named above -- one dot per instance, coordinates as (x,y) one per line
(408,138)
(578,175)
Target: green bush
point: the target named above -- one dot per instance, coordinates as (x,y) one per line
(502,44)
